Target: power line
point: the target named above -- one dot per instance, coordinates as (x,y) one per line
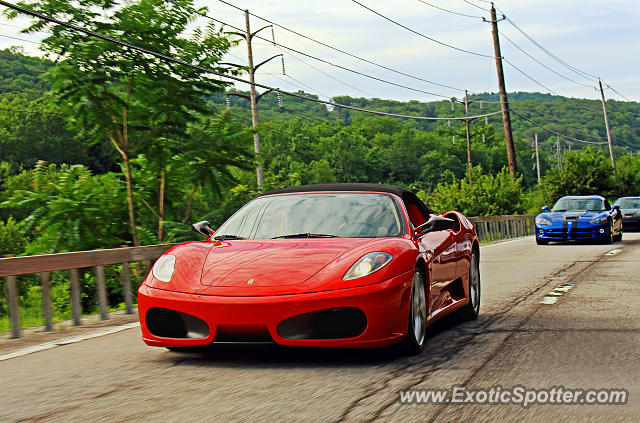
(450,11)
(331,76)
(19,39)
(614,90)
(214,72)
(562,62)
(542,64)
(343,51)
(204,15)
(475,5)
(528,76)
(555,132)
(421,34)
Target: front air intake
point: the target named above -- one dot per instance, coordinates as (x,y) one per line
(333,323)
(166,323)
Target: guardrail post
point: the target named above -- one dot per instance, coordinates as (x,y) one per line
(126,277)
(102,292)
(75,296)
(12,293)
(45,279)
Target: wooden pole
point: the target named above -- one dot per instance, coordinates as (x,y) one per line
(102,292)
(126,276)
(75,296)
(504,102)
(466,121)
(606,124)
(12,293)
(537,158)
(45,278)
(254,103)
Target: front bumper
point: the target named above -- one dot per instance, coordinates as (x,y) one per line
(385,305)
(572,232)
(631,222)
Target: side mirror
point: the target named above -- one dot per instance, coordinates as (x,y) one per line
(434,224)
(203,228)
(545,209)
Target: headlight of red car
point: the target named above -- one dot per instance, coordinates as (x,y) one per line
(163,268)
(367,264)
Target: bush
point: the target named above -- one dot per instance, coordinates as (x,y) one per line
(584,172)
(487,195)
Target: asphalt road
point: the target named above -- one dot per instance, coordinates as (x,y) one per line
(585,335)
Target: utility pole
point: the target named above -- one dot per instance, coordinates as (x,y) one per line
(254,102)
(252,97)
(466,121)
(606,123)
(537,158)
(506,117)
(559,153)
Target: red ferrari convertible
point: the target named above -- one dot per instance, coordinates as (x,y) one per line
(341,265)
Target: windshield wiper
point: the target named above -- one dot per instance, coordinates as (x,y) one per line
(227,237)
(306,235)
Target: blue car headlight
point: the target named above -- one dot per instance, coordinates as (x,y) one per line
(598,221)
(542,221)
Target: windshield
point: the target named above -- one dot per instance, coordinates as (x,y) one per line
(345,215)
(628,203)
(579,204)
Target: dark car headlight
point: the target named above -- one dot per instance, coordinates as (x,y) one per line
(367,264)
(163,268)
(598,221)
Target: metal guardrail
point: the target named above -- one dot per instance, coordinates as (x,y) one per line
(494,228)
(10,267)
(490,228)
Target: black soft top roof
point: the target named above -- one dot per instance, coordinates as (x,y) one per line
(406,195)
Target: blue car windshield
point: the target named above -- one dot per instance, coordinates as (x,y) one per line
(579,204)
(316,215)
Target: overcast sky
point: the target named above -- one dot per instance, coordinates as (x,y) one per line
(596,37)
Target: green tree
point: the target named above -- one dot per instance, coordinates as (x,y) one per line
(583,172)
(69,209)
(487,195)
(132,98)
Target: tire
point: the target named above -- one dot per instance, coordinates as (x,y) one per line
(610,237)
(541,241)
(618,237)
(472,309)
(413,343)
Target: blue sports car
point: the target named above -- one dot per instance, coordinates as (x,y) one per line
(586,217)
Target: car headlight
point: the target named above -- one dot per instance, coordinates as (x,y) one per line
(163,268)
(598,221)
(542,221)
(367,264)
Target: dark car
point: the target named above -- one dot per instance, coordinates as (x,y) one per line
(630,207)
(579,217)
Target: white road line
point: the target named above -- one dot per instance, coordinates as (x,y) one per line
(66,341)
(507,242)
(564,288)
(549,300)
(614,252)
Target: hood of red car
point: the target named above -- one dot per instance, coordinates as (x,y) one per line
(271,263)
